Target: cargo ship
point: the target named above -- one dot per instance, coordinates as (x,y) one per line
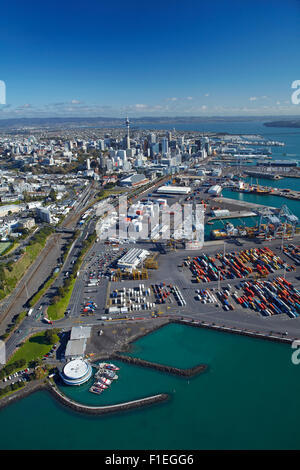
(251,189)
(228,231)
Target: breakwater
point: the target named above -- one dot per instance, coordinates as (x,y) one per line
(105,409)
(191,372)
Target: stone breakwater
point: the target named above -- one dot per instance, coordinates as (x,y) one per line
(105,409)
(191,372)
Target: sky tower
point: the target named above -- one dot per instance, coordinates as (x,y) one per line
(127,137)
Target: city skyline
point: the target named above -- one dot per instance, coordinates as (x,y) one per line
(227,59)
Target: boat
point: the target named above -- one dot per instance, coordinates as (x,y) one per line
(104,380)
(101,385)
(111,374)
(106,365)
(96,390)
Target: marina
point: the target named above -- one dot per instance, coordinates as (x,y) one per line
(104,377)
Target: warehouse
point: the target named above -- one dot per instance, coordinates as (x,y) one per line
(215,190)
(133,258)
(174,190)
(80,332)
(75,348)
(134,180)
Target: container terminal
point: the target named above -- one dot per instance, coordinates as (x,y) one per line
(245,277)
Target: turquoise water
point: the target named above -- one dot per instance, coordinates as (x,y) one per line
(248,399)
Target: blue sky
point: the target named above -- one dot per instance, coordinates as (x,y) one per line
(167,57)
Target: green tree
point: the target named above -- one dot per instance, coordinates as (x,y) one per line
(52,195)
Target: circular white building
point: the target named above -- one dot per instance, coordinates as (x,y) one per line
(76,372)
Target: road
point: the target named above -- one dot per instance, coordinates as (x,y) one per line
(42,267)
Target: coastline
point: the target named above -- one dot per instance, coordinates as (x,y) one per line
(44,385)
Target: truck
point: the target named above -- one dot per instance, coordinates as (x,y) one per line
(48,321)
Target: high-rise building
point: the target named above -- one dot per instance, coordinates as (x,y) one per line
(164,145)
(151,139)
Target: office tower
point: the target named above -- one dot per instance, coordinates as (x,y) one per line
(164,145)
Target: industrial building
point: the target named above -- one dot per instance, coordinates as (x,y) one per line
(215,190)
(80,332)
(174,190)
(77,342)
(133,258)
(75,348)
(134,180)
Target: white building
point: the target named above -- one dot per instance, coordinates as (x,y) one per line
(174,190)
(133,258)
(215,190)
(76,372)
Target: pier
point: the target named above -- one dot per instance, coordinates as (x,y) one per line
(233,215)
(242,204)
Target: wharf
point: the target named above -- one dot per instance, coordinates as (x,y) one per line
(295,195)
(233,215)
(243,204)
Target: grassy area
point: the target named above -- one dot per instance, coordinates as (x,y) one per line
(4,246)
(34,348)
(57,310)
(10,248)
(10,203)
(8,390)
(13,272)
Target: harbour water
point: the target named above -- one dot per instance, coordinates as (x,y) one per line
(247,399)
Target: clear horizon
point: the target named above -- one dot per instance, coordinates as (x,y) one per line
(225,58)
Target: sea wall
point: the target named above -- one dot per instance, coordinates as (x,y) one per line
(22,392)
(191,372)
(99,410)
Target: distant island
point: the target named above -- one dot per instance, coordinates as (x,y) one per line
(295,123)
